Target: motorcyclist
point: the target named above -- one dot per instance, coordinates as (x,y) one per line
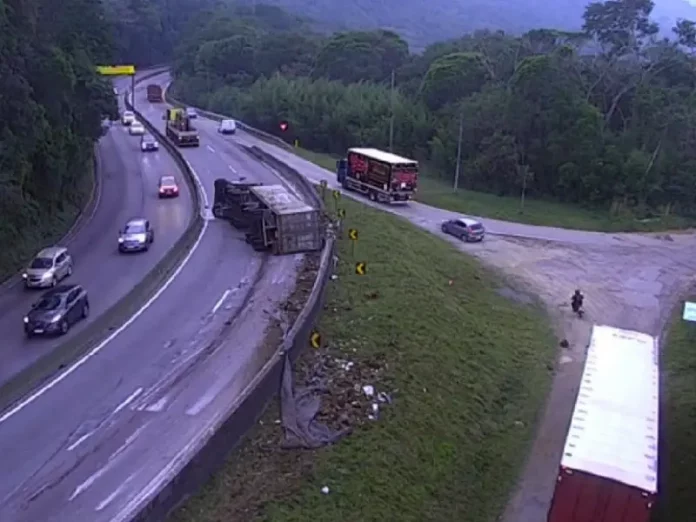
(577,300)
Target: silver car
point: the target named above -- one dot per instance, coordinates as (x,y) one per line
(136,236)
(464,228)
(48,268)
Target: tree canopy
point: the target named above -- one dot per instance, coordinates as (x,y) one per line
(602,116)
(52,103)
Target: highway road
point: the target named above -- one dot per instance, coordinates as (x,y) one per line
(128,187)
(99,439)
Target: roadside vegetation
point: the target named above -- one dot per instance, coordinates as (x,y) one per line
(465,360)
(678,452)
(597,119)
(51,106)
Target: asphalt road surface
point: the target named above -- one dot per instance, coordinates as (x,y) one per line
(98,441)
(128,188)
(630,281)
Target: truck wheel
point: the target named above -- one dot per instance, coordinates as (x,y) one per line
(373,195)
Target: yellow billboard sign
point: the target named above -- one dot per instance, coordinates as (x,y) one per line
(116,70)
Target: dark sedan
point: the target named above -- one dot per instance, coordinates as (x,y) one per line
(56,311)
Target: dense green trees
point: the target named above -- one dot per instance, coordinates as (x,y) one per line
(602,117)
(51,107)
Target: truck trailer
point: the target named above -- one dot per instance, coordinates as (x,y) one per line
(154,93)
(272,217)
(608,469)
(180,129)
(382,176)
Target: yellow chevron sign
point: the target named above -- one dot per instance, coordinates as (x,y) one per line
(116,70)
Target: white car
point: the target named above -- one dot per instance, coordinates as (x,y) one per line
(128,117)
(136,129)
(227,127)
(148,143)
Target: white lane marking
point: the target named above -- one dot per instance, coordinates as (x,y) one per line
(80,441)
(128,400)
(90,480)
(232,169)
(94,351)
(156,407)
(211,149)
(221,300)
(108,500)
(206,399)
(131,438)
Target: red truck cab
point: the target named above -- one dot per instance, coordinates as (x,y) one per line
(608,470)
(154,93)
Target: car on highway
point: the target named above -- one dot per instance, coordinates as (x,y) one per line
(127,117)
(168,187)
(148,143)
(227,127)
(136,236)
(48,268)
(191,112)
(56,311)
(465,228)
(136,129)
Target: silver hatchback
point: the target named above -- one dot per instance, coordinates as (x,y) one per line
(48,268)
(466,229)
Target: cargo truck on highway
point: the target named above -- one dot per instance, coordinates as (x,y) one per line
(180,129)
(382,176)
(154,93)
(608,470)
(273,218)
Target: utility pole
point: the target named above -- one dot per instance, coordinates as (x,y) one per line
(391,119)
(459,152)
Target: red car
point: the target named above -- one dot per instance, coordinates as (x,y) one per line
(168,187)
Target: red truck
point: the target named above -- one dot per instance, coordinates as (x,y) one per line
(608,470)
(382,176)
(154,93)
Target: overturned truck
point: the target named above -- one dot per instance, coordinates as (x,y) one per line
(272,218)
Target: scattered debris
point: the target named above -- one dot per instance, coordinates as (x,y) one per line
(325,490)
(299,409)
(564,343)
(368,390)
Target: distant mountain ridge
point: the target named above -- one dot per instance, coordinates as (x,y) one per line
(424,22)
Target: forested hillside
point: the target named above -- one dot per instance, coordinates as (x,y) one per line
(421,23)
(51,107)
(614,130)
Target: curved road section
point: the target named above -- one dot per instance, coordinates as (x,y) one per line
(99,441)
(127,187)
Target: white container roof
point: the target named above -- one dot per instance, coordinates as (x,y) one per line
(614,428)
(380,155)
(280,200)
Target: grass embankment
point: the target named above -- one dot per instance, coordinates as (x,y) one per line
(468,372)
(436,193)
(678,452)
(46,232)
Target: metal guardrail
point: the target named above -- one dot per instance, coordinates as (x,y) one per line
(208,456)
